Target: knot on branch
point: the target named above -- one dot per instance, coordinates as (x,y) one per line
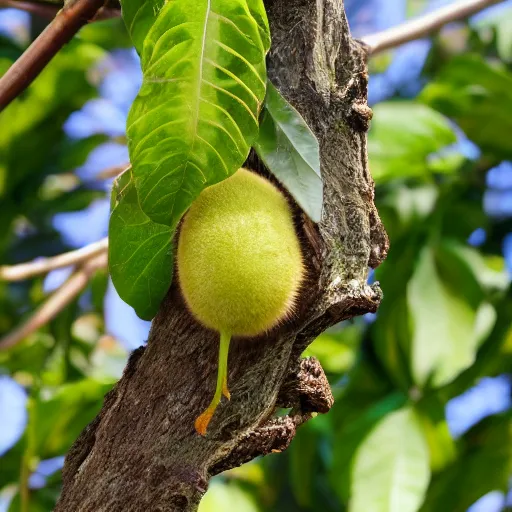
(306,391)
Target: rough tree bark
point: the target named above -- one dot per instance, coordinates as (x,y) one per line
(141,452)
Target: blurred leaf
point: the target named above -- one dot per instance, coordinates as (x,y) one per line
(10,464)
(228,498)
(140,252)
(108,360)
(27,356)
(196,114)
(61,414)
(304,465)
(336,351)
(350,437)
(29,149)
(109,34)
(402,137)
(478,96)
(501,22)
(391,468)
(444,341)
(489,272)
(485,465)
(431,414)
(290,150)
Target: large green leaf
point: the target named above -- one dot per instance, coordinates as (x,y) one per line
(290,150)
(478,95)
(391,469)
(139,16)
(140,251)
(444,340)
(403,136)
(485,465)
(196,114)
(358,420)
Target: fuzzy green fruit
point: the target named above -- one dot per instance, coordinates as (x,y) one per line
(239,264)
(239,259)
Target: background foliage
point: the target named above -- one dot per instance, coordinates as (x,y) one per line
(422,419)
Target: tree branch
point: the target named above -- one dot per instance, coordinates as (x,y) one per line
(142,452)
(44,10)
(113,172)
(64,26)
(57,301)
(44,265)
(424,26)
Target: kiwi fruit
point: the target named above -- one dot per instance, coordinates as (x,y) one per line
(239,264)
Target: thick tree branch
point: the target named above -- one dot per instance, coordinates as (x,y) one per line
(425,25)
(57,301)
(64,26)
(45,265)
(142,452)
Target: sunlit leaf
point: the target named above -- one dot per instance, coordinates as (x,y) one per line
(196,114)
(140,252)
(391,469)
(444,340)
(290,150)
(403,136)
(478,95)
(139,16)
(228,497)
(358,420)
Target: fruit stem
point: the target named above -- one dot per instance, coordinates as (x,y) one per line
(203,420)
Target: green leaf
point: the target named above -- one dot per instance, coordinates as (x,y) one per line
(228,496)
(444,340)
(431,413)
(485,465)
(140,251)
(489,272)
(391,469)
(501,22)
(61,414)
(196,114)
(139,16)
(403,136)
(357,421)
(336,351)
(290,150)
(478,96)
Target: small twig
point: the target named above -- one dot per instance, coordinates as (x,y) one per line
(424,26)
(113,172)
(47,11)
(64,26)
(45,265)
(56,302)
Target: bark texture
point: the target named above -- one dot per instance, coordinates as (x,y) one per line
(141,452)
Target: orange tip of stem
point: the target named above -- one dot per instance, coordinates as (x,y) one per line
(203,420)
(225,391)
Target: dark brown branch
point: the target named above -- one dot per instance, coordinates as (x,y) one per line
(63,27)
(42,9)
(425,25)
